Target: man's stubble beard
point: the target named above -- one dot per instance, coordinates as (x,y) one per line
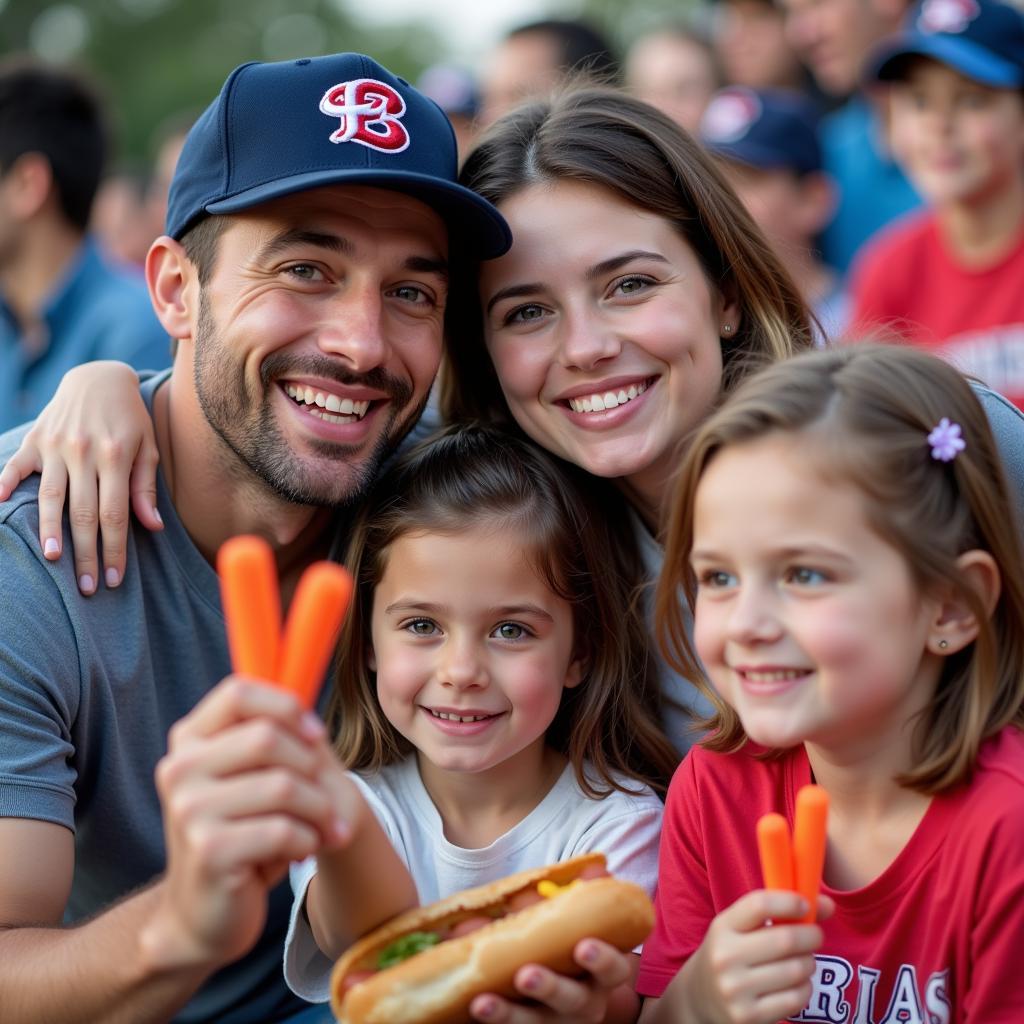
(249,430)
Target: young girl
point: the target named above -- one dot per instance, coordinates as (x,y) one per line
(495,698)
(843,529)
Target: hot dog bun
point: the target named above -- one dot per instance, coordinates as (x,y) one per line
(437,985)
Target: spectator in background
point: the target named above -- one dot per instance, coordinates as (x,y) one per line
(534,59)
(834,38)
(675,69)
(119,220)
(60,303)
(170,138)
(455,91)
(750,37)
(950,277)
(769,149)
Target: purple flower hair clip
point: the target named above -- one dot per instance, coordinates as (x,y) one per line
(946,441)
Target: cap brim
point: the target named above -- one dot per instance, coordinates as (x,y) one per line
(766,158)
(473,221)
(963,55)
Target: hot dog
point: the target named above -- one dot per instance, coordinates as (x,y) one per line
(427,965)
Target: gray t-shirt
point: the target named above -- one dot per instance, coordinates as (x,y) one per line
(88,690)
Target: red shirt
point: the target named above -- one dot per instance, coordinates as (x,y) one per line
(908,281)
(937,938)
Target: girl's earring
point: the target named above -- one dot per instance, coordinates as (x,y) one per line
(727,328)
(943,644)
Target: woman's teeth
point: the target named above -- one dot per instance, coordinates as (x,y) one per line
(326,406)
(608,400)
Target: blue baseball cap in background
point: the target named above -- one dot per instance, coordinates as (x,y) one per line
(764,128)
(981,39)
(342,119)
(452,88)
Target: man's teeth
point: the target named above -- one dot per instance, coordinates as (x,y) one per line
(608,400)
(777,676)
(448,717)
(334,409)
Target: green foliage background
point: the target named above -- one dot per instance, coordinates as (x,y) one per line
(159,60)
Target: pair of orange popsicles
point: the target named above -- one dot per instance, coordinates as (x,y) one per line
(796,864)
(297,658)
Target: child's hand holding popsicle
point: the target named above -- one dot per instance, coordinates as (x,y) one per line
(747,970)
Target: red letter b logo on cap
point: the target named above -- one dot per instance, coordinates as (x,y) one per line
(370,113)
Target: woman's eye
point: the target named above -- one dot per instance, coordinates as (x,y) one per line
(524,314)
(510,631)
(632,285)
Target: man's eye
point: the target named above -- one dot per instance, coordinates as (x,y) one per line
(305,272)
(410,293)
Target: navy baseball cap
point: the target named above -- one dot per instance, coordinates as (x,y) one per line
(342,119)
(982,39)
(763,128)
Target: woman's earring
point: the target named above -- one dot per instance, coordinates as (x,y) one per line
(943,644)
(727,328)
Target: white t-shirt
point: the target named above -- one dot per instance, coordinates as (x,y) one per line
(565,823)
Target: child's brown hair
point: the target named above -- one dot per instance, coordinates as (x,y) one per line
(866,412)
(577,533)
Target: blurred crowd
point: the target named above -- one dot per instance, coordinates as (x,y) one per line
(827,145)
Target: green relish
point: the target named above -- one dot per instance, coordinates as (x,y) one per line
(405,947)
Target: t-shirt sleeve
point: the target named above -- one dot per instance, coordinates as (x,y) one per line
(40,682)
(994,993)
(307,970)
(683,907)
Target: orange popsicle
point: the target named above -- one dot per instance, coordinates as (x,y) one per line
(252,605)
(776,852)
(809,837)
(311,632)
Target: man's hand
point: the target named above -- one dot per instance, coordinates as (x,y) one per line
(244,792)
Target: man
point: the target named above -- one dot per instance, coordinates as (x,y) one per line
(304,277)
(60,303)
(833,38)
(533,59)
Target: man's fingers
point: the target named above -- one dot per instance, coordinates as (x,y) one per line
(246,747)
(225,847)
(53,486)
(237,699)
(253,795)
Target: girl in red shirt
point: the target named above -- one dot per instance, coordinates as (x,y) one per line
(843,531)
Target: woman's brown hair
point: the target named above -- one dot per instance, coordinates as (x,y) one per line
(577,533)
(606,138)
(866,413)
